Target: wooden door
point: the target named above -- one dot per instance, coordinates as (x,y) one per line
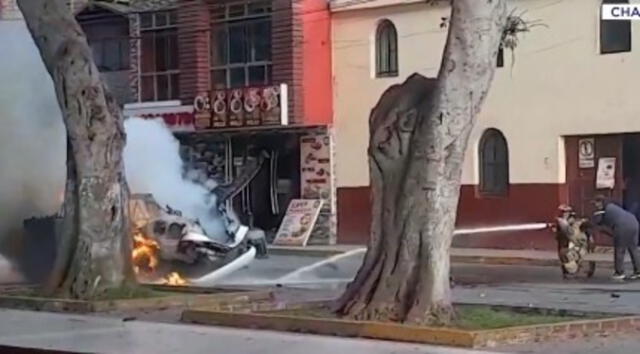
(581,182)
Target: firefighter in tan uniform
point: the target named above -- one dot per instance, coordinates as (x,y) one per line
(574,243)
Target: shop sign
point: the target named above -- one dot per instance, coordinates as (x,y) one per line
(298,222)
(176,117)
(241,107)
(315,166)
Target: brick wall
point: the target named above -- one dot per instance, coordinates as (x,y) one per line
(286,40)
(286,52)
(194,48)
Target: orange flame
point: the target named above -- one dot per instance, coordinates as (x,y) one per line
(175,279)
(145,253)
(145,257)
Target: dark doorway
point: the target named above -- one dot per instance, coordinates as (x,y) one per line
(631,173)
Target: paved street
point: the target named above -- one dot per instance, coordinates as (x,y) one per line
(109,335)
(92,334)
(475,283)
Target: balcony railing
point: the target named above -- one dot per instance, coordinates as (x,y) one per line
(242,107)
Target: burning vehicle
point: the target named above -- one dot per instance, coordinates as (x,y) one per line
(197,245)
(169,247)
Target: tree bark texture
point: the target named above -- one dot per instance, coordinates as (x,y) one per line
(418,137)
(94,247)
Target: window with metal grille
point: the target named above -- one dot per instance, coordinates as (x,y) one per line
(615,35)
(159,67)
(494,163)
(386,49)
(241,44)
(110,54)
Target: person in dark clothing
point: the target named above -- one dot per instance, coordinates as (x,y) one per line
(623,226)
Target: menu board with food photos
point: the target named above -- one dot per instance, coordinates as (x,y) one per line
(315,161)
(298,222)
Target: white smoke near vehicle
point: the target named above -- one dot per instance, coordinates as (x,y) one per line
(33,150)
(153,165)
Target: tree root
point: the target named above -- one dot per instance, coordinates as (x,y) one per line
(385,312)
(434,315)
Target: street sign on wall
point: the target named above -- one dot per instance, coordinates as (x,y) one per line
(586,153)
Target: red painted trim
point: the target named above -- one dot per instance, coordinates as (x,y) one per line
(173,119)
(354,215)
(525,203)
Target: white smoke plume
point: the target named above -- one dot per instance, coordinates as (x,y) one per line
(33,147)
(153,165)
(32,138)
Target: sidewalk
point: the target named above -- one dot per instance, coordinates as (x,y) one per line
(458,255)
(63,333)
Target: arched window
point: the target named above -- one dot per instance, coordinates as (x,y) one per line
(386,49)
(494,163)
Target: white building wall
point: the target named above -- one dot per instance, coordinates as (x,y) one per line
(558,85)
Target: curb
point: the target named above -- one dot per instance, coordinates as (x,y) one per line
(304,252)
(29,350)
(520,261)
(414,334)
(340,328)
(187,300)
(505,261)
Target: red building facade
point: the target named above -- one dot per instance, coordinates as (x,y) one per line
(236,81)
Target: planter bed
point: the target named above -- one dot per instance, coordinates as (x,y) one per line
(484,325)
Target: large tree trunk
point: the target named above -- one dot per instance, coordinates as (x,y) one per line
(94,252)
(418,136)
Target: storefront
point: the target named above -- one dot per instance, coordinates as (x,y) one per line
(229,133)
